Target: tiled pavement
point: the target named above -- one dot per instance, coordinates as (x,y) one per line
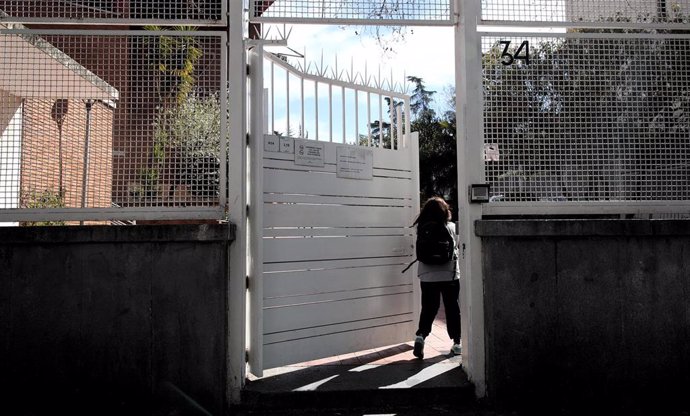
(376,377)
(437,344)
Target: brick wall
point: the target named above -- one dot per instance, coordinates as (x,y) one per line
(41,152)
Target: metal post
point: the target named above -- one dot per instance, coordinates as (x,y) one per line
(58,113)
(237,203)
(255,217)
(469,103)
(85,170)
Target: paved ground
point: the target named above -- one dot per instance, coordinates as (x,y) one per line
(422,410)
(381,381)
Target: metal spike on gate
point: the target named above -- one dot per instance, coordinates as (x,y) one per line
(335,71)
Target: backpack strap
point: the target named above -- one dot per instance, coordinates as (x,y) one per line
(408,266)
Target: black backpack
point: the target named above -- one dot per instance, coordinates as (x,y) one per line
(434,243)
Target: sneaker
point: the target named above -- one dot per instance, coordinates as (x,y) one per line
(418,347)
(456,349)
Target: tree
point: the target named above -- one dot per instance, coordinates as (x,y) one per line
(437,146)
(186,145)
(386,36)
(191,133)
(380,128)
(420,101)
(589,119)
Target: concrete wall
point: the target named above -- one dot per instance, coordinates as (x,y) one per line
(580,312)
(100,319)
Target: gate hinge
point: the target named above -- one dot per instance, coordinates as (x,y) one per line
(246,356)
(246,282)
(248,71)
(247,139)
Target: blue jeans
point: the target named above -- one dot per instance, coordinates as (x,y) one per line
(431,294)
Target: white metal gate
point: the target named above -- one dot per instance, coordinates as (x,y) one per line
(329,231)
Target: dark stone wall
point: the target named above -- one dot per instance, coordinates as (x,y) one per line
(113,319)
(583,313)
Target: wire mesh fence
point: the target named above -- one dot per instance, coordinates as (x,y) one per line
(587,117)
(124,11)
(371,12)
(605,12)
(92,120)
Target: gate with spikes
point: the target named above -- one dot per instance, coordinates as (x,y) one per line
(334,179)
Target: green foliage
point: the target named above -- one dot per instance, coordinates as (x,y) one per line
(149,179)
(191,131)
(192,126)
(187,124)
(437,146)
(174,58)
(420,101)
(42,200)
(383,129)
(617,101)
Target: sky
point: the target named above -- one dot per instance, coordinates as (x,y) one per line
(426,52)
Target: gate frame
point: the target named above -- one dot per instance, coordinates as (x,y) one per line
(258,127)
(237,205)
(465,17)
(469,105)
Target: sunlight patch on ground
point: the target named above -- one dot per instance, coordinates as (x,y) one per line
(426,374)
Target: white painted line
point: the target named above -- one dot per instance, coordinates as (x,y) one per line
(424,375)
(364,367)
(315,385)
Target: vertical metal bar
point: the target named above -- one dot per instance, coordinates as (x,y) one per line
(344,118)
(287,105)
(255,217)
(469,104)
(302,128)
(393,124)
(224,12)
(265,111)
(399,127)
(413,154)
(406,130)
(316,109)
(273,98)
(237,202)
(223,156)
(330,112)
(368,118)
(381,123)
(85,170)
(356,116)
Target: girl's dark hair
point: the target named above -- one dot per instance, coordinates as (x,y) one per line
(435,209)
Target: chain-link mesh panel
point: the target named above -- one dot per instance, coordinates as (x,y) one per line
(588,11)
(93,119)
(602,117)
(372,11)
(112,10)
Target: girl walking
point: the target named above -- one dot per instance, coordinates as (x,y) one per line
(437,252)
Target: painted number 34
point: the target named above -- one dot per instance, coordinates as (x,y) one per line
(522,52)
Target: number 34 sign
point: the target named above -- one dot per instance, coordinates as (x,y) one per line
(522,53)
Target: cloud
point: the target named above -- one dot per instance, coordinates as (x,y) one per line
(426,52)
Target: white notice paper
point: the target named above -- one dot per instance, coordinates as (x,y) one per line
(287,145)
(354,162)
(491,153)
(271,143)
(309,153)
